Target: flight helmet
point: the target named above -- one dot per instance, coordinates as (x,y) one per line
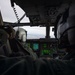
(21,34)
(65,28)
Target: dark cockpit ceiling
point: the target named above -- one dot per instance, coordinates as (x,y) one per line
(42,12)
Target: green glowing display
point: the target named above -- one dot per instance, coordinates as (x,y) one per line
(47,52)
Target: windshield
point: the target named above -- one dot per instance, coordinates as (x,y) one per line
(8,15)
(37,32)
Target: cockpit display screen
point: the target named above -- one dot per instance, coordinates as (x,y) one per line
(45,52)
(46,49)
(35,46)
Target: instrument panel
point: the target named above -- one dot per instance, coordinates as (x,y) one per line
(43,47)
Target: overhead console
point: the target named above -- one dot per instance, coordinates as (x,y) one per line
(41,12)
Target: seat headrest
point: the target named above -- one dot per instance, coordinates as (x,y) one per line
(23,38)
(21,34)
(3,37)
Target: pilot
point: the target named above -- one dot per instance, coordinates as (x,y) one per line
(66,32)
(21,35)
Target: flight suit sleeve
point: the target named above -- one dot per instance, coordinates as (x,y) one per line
(54,67)
(28,66)
(17,66)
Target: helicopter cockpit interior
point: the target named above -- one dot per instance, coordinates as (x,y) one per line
(20,54)
(42,13)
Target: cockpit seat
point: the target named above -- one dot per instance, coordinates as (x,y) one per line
(4,43)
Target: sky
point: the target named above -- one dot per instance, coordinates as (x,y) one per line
(8,15)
